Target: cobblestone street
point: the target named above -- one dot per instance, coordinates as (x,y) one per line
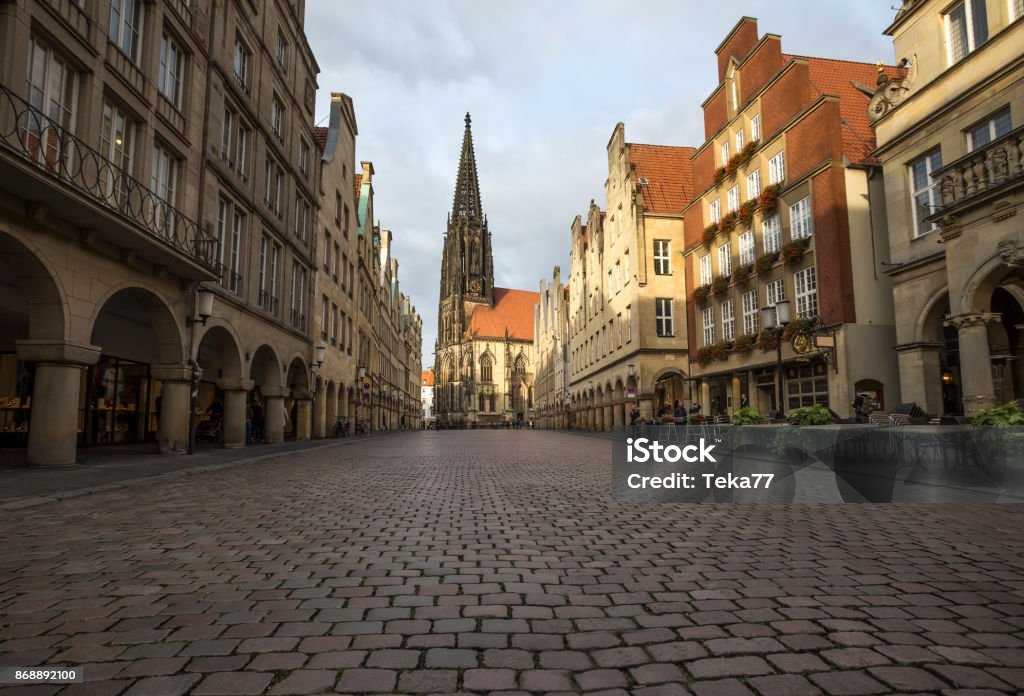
(496,562)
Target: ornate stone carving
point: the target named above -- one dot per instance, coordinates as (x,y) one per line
(967,321)
(890,92)
(1011,253)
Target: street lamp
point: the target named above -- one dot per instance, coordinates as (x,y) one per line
(775,318)
(203,307)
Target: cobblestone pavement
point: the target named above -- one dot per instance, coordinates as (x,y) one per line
(496,562)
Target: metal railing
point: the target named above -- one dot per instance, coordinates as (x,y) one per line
(268,302)
(298,320)
(43,143)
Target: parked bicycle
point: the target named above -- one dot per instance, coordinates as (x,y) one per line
(362,427)
(340,428)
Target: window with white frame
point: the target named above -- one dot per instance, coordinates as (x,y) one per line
(739,140)
(801,226)
(163,182)
(227,135)
(755,127)
(733,199)
(282,51)
(715,211)
(747,251)
(611,284)
(117,144)
(662,257)
(725,153)
(125,28)
(625,267)
(1017,9)
(709,325)
(994,127)
(966,28)
(230,223)
(806,286)
(924,190)
(172,70)
(51,88)
(618,276)
(272,191)
(777,168)
(725,259)
(705,269)
(663,316)
(775,292)
(303,156)
(242,62)
(754,184)
(728,321)
(750,313)
(771,235)
(629,323)
(276,116)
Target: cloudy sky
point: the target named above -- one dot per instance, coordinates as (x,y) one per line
(546,82)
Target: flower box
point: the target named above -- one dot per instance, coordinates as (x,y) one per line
(794,251)
(745,344)
(766,340)
(768,199)
(765,262)
(746,212)
(720,284)
(720,175)
(728,223)
(742,275)
(710,232)
(701,293)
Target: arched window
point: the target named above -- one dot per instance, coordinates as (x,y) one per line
(486,368)
(483,402)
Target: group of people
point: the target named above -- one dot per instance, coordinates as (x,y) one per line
(667,412)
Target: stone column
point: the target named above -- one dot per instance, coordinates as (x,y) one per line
(705,399)
(303,414)
(235,392)
(329,408)
(608,418)
(53,425)
(273,406)
(646,408)
(975,360)
(175,404)
(920,368)
(618,416)
(736,393)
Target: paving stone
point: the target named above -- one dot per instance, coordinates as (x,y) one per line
(783,685)
(848,683)
(309,681)
(907,678)
(232,684)
(362,681)
(423,681)
(657,673)
(489,679)
(449,658)
(163,686)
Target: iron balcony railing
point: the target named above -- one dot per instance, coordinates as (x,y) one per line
(44,144)
(268,303)
(298,320)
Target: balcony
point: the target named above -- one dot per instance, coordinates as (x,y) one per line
(268,303)
(980,176)
(298,320)
(43,163)
(229,279)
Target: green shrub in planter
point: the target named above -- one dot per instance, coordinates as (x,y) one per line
(810,415)
(747,416)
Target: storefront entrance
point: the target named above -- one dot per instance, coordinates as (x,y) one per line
(121,403)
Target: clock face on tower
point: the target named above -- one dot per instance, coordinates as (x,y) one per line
(474,286)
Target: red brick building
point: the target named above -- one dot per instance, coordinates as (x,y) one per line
(788,205)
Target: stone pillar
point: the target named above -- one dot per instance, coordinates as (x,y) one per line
(303,414)
(646,408)
(618,416)
(235,392)
(920,368)
(328,406)
(736,393)
(53,425)
(976,360)
(175,404)
(705,399)
(608,418)
(273,405)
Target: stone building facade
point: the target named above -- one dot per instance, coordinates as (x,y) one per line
(789,205)
(484,363)
(951,144)
(627,329)
(157,208)
(551,346)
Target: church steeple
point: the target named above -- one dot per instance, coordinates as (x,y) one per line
(467,187)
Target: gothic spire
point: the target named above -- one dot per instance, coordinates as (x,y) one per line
(467,188)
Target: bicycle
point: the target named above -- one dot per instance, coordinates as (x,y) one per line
(340,428)
(362,427)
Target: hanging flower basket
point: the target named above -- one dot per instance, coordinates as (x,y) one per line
(728,223)
(768,199)
(746,214)
(710,232)
(720,284)
(794,251)
(765,262)
(741,275)
(766,340)
(744,344)
(704,356)
(701,293)
(720,175)
(747,153)
(720,351)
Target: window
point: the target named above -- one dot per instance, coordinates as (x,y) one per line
(282,51)
(163,182)
(705,269)
(242,150)
(754,184)
(172,70)
(230,222)
(125,26)
(325,317)
(994,128)
(662,257)
(334,325)
(725,153)
(725,259)
(750,313)
(302,219)
(1017,9)
(618,276)
(618,320)
(747,251)
(728,321)
(273,186)
(801,226)
(775,292)
(807,385)
(777,168)
(297,299)
(663,316)
(755,127)
(625,267)
(966,28)
(715,211)
(734,199)
(327,253)
(770,234)
(242,63)
(276,117)
(117,139)
(227,136)
(924,191)
(739,140)
(806,285)
(303,157)
(348,346)
(51,88)
(334,268)
(709,325)
(629,324)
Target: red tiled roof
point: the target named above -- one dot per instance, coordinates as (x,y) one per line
(320,135)
(513,310)
(837,77)
(427,378)
(669,175)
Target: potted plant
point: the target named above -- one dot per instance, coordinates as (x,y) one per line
(747,416)
(720,284)
(769,198)
(765,262)
(794,251)
(744,344)
(710,232)
(720,175)
(741,275)
(704,356)
(700,293)
(766,340)
(746,213)
(728,223)
(720,351)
